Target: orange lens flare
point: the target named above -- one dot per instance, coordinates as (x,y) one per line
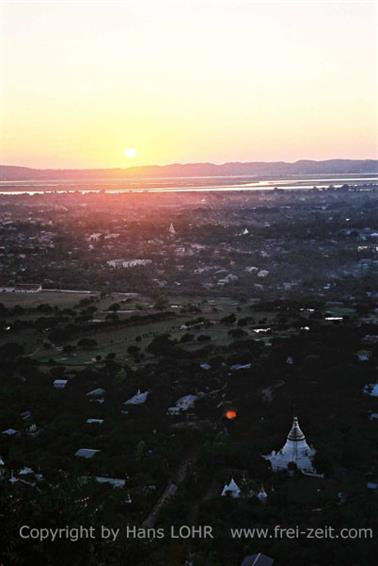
(231,415)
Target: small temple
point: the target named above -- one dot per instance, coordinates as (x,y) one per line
(262,495)
(231,489)
(296,450)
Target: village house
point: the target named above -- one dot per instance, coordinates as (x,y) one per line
(21,288)
(86,453)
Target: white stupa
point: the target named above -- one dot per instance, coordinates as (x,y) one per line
(172,230)
(262,495)
(13,479)
(231,489)
(295,450)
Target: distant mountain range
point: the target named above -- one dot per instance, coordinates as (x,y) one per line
(253,168)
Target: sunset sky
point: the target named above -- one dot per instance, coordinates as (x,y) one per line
(186,80)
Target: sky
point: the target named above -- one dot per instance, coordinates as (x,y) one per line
(179,81)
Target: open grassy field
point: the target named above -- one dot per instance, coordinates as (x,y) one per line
(185,319)
(67,299)
(53,298)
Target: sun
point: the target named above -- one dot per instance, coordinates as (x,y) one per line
(130,152)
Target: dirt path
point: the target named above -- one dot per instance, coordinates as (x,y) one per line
(170,489)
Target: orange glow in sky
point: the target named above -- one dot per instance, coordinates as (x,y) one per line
(186,81)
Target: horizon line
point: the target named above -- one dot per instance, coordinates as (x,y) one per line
(190,163)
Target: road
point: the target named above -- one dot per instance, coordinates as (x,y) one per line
(170,490)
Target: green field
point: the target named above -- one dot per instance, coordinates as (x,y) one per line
(117,339)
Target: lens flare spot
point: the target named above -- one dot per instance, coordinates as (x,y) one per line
(231,414)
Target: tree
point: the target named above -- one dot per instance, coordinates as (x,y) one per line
(237,333)
(230,319)
(203,338)
(69,349)
(187,337)
(87,343)
(161,303)
(161,345)
(133,350)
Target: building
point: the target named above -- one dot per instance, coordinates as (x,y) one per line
(363,355)
(263,273)
(138,398)
(371,389)
(94,237)
(231,489)
(22,288)
(114,482)
(262,495)
(7,289)
(99,392)
(60,383)
(183,404)
(296,450)
(128,263)
(10,432)
(94,421)
(86,453)
(2,468)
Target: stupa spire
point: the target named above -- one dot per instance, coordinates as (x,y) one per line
(295,434)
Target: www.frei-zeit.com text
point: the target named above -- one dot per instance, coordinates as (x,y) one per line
(132,532)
